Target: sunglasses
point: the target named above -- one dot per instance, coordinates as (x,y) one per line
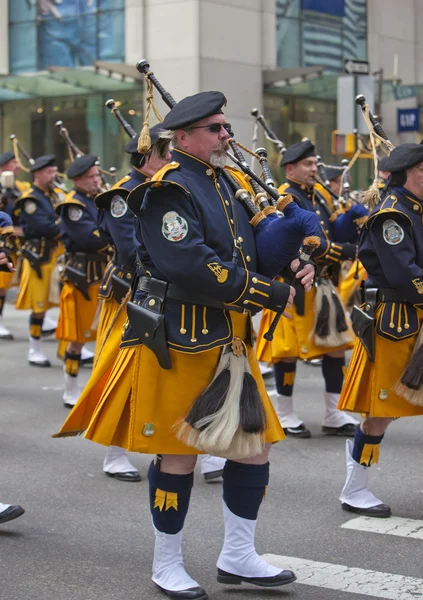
(215,127)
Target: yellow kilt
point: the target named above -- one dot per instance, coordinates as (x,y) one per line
(139,392)
(81,414)
(349,285)
(368,386)
(34,292)
(292,336)
(77,314)
(108,310)
(6,277)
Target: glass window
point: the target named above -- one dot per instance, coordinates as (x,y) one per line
(65,33)
(319,32)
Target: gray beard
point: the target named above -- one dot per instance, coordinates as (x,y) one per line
(218,159)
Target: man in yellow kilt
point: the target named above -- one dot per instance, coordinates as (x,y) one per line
(313,331)
(87,248)
(188,345)
(40,251)
(384,378)
(11,188)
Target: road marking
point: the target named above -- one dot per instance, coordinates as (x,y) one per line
(409,528)
(350,579)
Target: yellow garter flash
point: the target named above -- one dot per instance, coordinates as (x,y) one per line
(370,454)
(165,500)
(220,273)
(288,378)
(72,366)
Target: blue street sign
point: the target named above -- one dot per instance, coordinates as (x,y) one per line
(408,119)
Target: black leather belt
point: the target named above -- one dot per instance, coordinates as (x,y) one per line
(382,295)
(176,293)
(86,256)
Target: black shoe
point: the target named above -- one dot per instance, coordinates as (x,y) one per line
(213,475)
(12,512)
(42,364)
(299,432)
(381,511)
(87,361)
(7,336)
(129,476)
(347,430)
(47,332)
(195,593)
(282,578)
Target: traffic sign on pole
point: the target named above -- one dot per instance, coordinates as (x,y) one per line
(356,67)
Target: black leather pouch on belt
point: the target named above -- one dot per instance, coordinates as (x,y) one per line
(78,276)
(121,285)
(34,260)
(5,268)
(148,321)
(363,321)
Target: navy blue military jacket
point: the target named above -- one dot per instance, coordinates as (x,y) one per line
(391,250)
(79,225)
(309,198)
(37,216)
(116,218)
(185,232)
(5,220)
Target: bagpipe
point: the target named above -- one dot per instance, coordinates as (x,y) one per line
(75,152)
(20,152)
(127,127)
(228,418)
(268,132)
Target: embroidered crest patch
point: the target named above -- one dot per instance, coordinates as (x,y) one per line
(174,227)
(118,207)
(393,233)
(75,213)
(217,270)
(30,207)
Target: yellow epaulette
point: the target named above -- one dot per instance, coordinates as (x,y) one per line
(242,179)
(162,172)
(283,187)
(321,190)
(69,199)
(387,207)
(7,230)
(118,184)
(27,193)
(22,186)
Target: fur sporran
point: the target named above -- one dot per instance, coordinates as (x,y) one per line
(332,325)
(228,418)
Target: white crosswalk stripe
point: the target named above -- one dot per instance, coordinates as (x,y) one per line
(349,579)
(408,528)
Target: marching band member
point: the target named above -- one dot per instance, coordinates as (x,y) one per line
(88,248)
(187,222)
(384,377)
(294,338)
(9,165)
(40,251)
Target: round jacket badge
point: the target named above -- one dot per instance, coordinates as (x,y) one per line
(30,207)
(393,233)
(174,227)
(75,213)
(118,207)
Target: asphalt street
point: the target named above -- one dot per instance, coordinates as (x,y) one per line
(85,536)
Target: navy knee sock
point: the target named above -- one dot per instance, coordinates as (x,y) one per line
(333,370)
(72,363)
(35,324)
(285,377)
(2,301)
(366,448)
(169,499)
(244,487)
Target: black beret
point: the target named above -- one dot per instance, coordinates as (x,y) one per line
(81,165)
(47,160)
(404,157)
(132,146)
(381,165)
(332,172)
(194,108)
(5,157)
(298,152)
